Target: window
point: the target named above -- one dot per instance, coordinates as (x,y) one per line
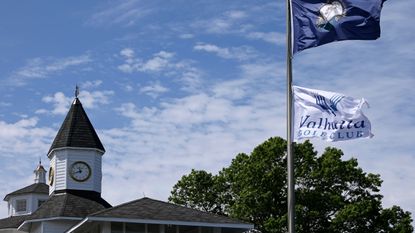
(120,227)
(188,229)
(153,228)
(135,228)
(40,202)
(207,229)
(20,205)
(230,230)
(117,227)
(170,228)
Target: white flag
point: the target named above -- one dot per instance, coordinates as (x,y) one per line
(328,115)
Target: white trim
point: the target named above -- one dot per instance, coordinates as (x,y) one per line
(7,229)
(75,148)
(46,219)
(77,225)
(162,222)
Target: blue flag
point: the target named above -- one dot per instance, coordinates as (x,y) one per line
(318,22)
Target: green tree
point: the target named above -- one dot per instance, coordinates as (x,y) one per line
(202,190)
(332,195)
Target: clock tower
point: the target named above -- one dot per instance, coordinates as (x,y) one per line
(76,156)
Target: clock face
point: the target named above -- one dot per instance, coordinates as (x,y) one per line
(51,175)
(80,171)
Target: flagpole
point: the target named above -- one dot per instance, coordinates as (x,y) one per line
(290,154)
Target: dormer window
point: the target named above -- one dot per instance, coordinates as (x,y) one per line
(40,202)
(21,205)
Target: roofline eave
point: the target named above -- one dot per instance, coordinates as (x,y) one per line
(13,194)
(8,196)
(162,222)
(75,148)
(7,229)
(77,225)
(21,227)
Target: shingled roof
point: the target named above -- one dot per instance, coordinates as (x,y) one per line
(68,205)
(33,188)
(12,222)
(149,209)
(77,130)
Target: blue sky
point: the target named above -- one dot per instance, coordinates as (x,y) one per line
(176,85)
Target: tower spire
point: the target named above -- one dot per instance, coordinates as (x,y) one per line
(76,91)
(40,173)
(76,130)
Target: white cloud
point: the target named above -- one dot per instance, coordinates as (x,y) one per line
(5,104)
(270,37)
(41,111)
(158,62)
(243,24)
(91,84)
(228,22)
(127,87)
(61,103)
(123,13)
(42,68)
(127,52)
(182,70)
(238,53)
(191,78)
(154,90)
(126,68)
(236,14)
(193,131)
(187,36)
(95,98)
(22,137)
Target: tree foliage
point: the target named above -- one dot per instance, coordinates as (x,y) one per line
(332,195)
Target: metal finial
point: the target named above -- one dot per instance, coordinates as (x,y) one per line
(40,160)
(76,91)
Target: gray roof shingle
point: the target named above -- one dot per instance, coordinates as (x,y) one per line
(33,188)
(68,205)
(76,130)
(59,205)
(149,209)
(12,222)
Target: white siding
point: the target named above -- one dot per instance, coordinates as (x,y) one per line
(31,203)
(13,203)
(58,226)
(97,172)
(36,227)
(60,171)
(35,198)
(62,161)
